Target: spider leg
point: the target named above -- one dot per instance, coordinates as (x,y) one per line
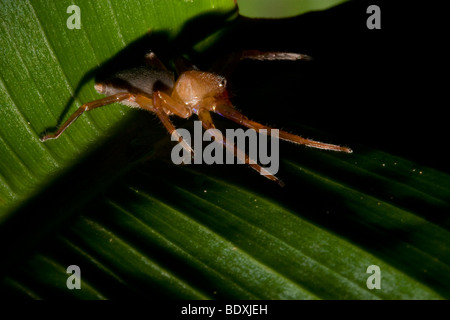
(172,106)
(87,107)
(272,55)
(228,63)
(205,116)
(163,109)
(225,109)
(151,60)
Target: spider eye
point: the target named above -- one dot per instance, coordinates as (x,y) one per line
(223,82)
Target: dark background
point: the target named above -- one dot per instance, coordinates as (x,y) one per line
(385,88)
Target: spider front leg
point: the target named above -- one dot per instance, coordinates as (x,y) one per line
(164,105)
(228,63)
(272,55)
(225,109)
(87,107)
(205,116)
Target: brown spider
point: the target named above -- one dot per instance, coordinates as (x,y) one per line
(152,87)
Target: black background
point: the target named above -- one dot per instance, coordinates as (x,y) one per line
(386,89)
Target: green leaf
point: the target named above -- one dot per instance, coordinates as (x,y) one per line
(153,229)
(283,8)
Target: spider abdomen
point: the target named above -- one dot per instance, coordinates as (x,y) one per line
(137,80)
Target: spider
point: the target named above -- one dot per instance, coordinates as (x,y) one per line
(152,87)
